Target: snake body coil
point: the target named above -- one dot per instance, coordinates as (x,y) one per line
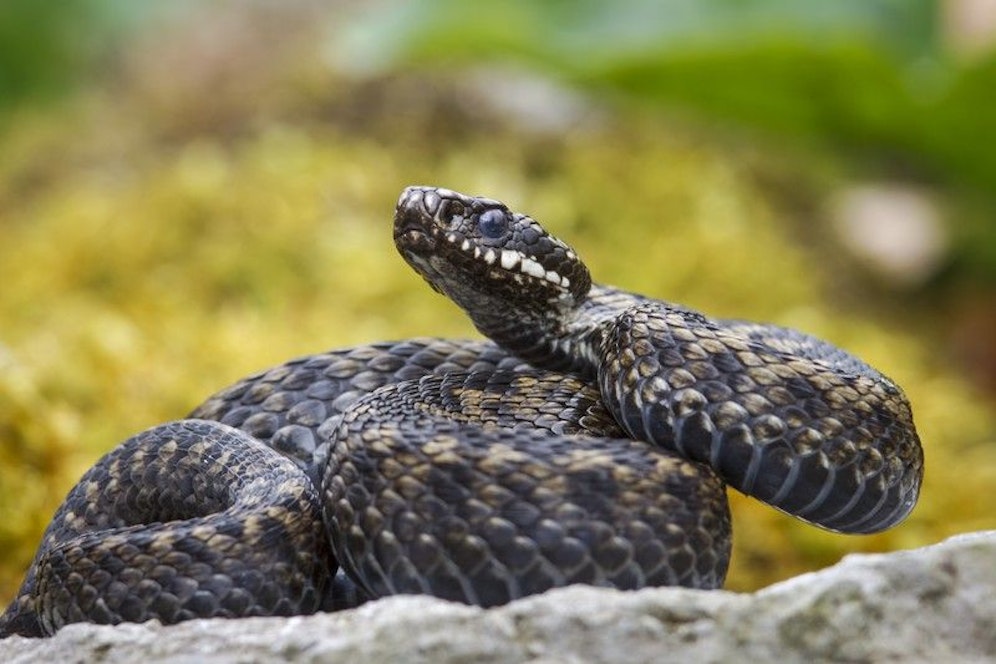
(589,442)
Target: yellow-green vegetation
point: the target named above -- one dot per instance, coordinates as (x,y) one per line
(148,260)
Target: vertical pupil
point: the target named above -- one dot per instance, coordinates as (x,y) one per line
(492,223)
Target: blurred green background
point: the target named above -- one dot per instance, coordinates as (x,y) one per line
(192,191)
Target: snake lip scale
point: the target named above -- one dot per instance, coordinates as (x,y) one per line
(590,440)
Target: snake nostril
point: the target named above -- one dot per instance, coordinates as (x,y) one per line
(451,211)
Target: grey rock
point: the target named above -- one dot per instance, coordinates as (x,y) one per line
(935,604)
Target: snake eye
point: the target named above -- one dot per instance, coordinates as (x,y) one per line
(492,223)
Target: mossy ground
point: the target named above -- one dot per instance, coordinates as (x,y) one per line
(158,243)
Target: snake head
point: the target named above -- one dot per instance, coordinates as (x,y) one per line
(475,250)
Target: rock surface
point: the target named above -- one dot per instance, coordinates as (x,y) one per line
(933,604)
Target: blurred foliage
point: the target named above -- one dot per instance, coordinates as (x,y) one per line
(214,208)
(871,78)
(46,48)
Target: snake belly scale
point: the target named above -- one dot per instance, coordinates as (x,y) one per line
(589,440)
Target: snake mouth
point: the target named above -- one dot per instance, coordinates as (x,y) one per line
(411,235)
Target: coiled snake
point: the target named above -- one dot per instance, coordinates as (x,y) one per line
(590,441)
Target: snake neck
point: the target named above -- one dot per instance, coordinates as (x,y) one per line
(567,338)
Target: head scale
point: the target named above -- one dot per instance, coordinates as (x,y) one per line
(479,253)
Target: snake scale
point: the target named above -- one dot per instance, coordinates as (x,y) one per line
(590,440)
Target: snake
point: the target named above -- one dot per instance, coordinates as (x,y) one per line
(590,438)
